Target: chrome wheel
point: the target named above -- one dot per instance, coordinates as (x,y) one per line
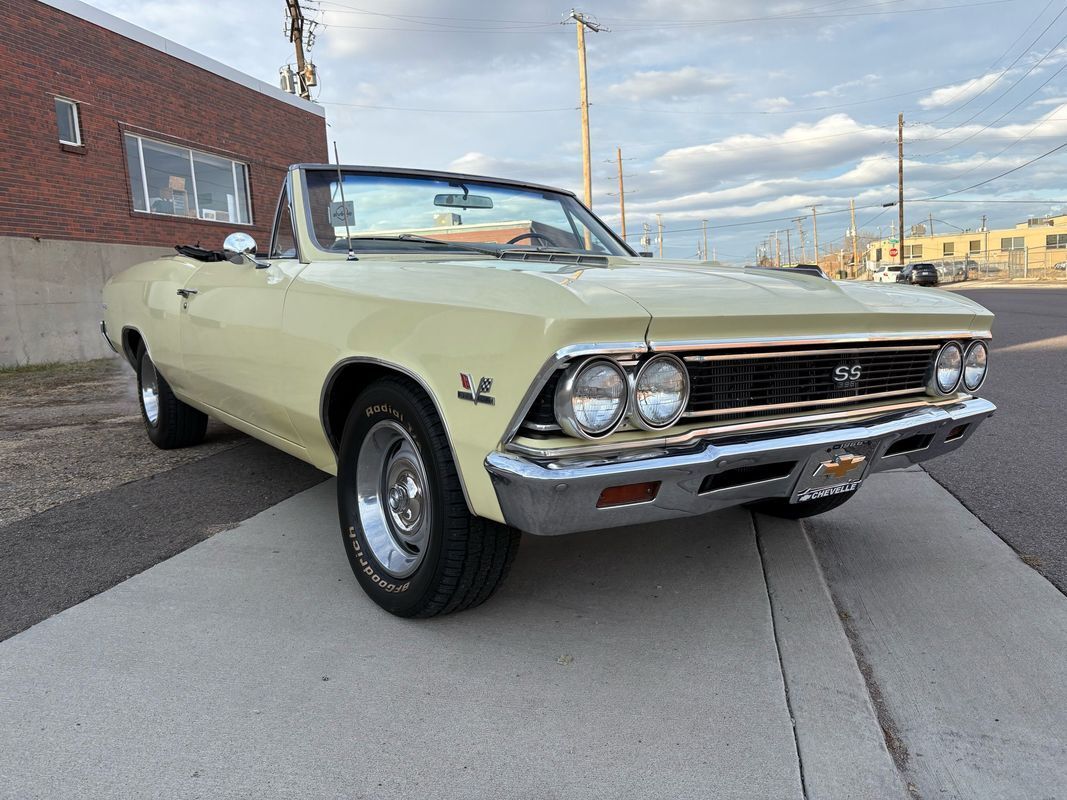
(149,391)
(391,491)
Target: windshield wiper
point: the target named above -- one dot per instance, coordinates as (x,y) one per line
(414,237)
(411,237)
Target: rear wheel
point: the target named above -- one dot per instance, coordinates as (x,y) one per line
(414,546)
(781,507)
(170,422)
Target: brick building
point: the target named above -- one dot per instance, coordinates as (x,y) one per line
(115,145)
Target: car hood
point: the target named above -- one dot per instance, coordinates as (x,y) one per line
(692,302)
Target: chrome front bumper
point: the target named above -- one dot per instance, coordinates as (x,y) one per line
(553,498)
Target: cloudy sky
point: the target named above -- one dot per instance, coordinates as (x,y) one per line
(740,112)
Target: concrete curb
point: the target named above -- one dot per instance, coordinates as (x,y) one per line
(840,743)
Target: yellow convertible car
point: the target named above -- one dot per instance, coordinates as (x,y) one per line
(475,357)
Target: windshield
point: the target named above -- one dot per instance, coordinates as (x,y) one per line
(383,209)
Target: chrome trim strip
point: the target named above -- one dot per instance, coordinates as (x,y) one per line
(659,443)
(540,426)
(790,353)
(826,402)
(103,331)
(771,341)
(557,360)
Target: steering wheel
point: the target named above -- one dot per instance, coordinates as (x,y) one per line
(522,236)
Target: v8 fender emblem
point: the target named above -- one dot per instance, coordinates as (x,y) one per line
(476,392)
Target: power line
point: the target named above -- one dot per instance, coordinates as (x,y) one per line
(1004,72)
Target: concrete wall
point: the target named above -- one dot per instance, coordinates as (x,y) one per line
(50,304)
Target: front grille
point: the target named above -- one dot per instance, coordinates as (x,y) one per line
(742,383)
(730,386)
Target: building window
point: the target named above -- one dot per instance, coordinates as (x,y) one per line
(974,246)
(1057,241)
(913,251)
(1012,243)
(70,131)
(180,182)
(948,249)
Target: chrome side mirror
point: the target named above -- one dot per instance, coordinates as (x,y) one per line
(240,246)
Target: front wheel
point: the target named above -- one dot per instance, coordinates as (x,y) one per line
(414,546)
(781,507)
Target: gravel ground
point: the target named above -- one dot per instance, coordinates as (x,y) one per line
(71,430)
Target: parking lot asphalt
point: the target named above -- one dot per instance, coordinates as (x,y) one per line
(1011,473)
(658,661)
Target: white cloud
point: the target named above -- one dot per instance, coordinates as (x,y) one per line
(958,93)
(773,103)
(678,84)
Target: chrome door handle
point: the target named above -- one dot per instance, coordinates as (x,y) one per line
(187,292)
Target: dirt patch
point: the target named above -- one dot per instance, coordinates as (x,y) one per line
(70,430)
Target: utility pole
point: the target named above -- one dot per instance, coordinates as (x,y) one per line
(659,234)
(622,193)
(931,231)
(704,226)
(855,234)
(777,250)
(986,237)
(900,185)
(788,247)
(815,232)
(296,36)
(581,23)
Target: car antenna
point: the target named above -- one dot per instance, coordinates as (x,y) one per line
(344,205)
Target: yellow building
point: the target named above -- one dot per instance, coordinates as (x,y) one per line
(1032,246)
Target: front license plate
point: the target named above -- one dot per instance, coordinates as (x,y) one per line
(837,469)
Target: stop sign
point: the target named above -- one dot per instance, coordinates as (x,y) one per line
(892,251)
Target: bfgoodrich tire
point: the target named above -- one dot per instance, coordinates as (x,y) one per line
(781,507)
(170,422)
(415,548)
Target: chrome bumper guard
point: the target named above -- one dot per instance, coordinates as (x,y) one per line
(103,332)
(556,497)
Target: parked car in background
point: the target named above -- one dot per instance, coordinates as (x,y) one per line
(887,273)
(475,357)
(922,274)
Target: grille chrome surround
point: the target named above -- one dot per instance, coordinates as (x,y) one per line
(727,385)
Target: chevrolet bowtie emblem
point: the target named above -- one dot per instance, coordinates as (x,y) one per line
(840,466)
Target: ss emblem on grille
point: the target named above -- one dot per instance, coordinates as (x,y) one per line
(846,373)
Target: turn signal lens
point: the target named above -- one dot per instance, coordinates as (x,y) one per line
(628,494)
(975,363)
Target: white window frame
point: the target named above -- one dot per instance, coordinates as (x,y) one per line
(192,173)
(77,121)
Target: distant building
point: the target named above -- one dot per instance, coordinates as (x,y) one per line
(116,145)
(1036,244)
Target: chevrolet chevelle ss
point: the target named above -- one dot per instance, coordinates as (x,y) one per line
(475,357)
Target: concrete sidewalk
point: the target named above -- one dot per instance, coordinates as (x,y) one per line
(660,661)
(965,642)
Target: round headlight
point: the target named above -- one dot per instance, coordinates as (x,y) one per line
(591,398)
(661,390)
(975,362)
(948,368)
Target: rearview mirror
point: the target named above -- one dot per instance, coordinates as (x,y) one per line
(463,201)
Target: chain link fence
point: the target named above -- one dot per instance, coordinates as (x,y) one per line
(1022,264)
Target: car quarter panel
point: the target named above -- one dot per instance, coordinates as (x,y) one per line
(439,319)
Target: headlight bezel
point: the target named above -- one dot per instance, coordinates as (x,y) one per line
(563,402)
(636,417)
(977,344)
(934,384)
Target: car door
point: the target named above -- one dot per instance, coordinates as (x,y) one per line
(232,347)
